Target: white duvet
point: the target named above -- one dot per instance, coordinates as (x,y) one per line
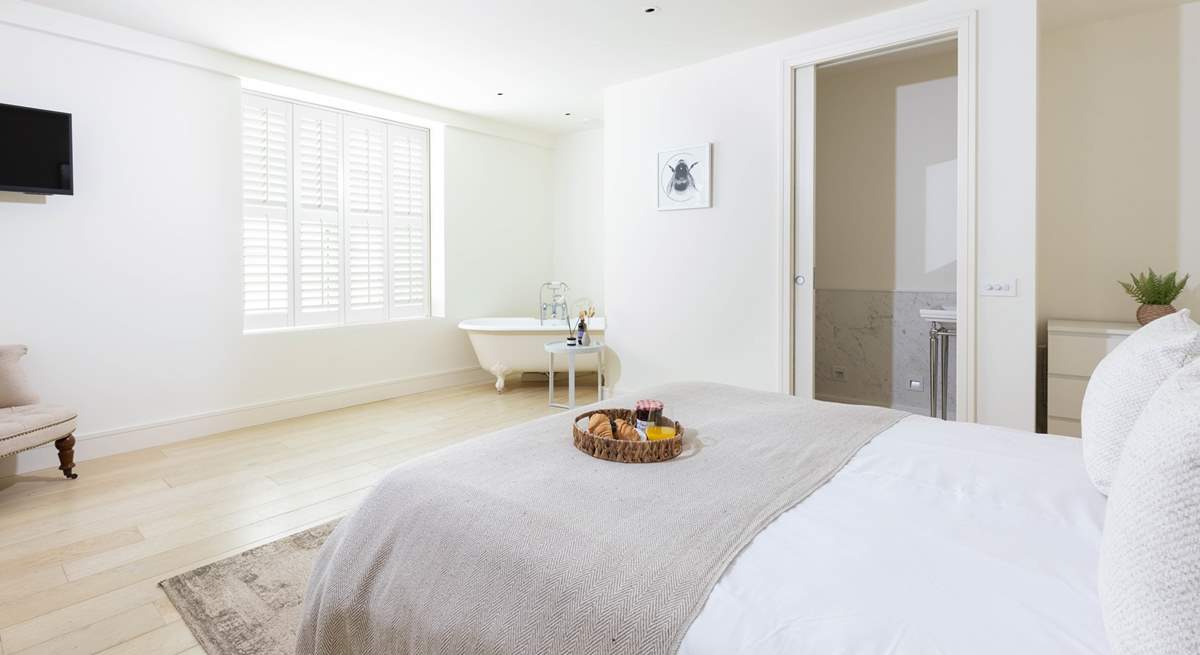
(936,538)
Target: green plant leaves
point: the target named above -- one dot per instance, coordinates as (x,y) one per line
(1150,288)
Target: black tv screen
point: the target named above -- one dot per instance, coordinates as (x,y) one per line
(35,150)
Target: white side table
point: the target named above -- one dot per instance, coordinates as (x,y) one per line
(560,348)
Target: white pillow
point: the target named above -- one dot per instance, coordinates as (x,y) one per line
(1150,553)
(1122,384)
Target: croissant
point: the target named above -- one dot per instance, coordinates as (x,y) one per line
(626,432)
(598,425)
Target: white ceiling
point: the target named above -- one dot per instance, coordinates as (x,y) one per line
(548,58)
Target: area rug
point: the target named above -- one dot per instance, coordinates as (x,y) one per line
(249,604)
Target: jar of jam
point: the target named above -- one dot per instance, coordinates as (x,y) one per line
(646,414)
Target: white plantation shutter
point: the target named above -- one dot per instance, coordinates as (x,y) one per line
(318,156)
(408,166)
(266,202)
(335,216)
(366,219)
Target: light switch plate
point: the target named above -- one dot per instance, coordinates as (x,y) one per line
(998,287)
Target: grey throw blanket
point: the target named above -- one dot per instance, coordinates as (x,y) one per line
(516,542)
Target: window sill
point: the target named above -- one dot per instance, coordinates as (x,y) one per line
(337,326)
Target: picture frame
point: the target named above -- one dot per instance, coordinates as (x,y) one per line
(684,178)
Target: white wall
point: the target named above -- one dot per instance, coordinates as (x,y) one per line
(500,232)
(1119,174)
(129,292)
(579,215)
(709,308)
(882,126)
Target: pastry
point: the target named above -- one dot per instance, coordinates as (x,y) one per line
(598,425)
(626,432)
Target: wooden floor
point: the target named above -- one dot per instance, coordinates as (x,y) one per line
(80,560)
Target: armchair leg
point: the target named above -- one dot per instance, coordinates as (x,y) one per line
(66,455)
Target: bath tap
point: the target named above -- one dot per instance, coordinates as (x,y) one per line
(558,299)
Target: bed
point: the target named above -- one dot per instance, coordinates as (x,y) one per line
(938,537)
(926,537)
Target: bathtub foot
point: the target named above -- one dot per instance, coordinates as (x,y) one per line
(500,371)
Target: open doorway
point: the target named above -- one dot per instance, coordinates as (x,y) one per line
(881,215)
(886,256)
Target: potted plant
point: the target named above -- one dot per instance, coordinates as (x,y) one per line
(1155,293)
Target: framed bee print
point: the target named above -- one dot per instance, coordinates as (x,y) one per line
(685,178)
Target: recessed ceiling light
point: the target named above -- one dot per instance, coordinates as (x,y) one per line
(649,10)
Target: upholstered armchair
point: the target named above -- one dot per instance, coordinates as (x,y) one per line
(24,423)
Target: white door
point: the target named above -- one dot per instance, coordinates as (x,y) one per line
(804,133)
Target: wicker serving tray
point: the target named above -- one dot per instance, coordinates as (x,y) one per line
(628,452)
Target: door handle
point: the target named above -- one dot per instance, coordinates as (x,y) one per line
(800,280)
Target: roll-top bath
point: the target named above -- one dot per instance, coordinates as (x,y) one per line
(507,345)
(553,327)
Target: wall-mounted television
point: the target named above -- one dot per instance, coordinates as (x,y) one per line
(35,151)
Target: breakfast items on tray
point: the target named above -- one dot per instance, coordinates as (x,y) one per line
(626,432)
(646,423)
(611,434)
(598,425)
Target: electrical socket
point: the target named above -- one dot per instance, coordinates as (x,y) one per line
(916,385)
(998,287)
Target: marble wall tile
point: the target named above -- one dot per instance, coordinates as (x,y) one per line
(881,342)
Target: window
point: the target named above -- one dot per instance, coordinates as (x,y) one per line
(335,216)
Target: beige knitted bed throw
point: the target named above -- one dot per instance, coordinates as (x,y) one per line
(516,542)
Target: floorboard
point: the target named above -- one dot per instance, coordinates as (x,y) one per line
(80,560)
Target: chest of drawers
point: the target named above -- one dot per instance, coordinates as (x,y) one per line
(1073,349)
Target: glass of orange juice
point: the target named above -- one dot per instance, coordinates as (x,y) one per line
(659,432)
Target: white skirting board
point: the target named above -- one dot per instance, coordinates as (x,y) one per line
(123,440)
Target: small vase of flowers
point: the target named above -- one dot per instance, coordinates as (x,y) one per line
(1154,293)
